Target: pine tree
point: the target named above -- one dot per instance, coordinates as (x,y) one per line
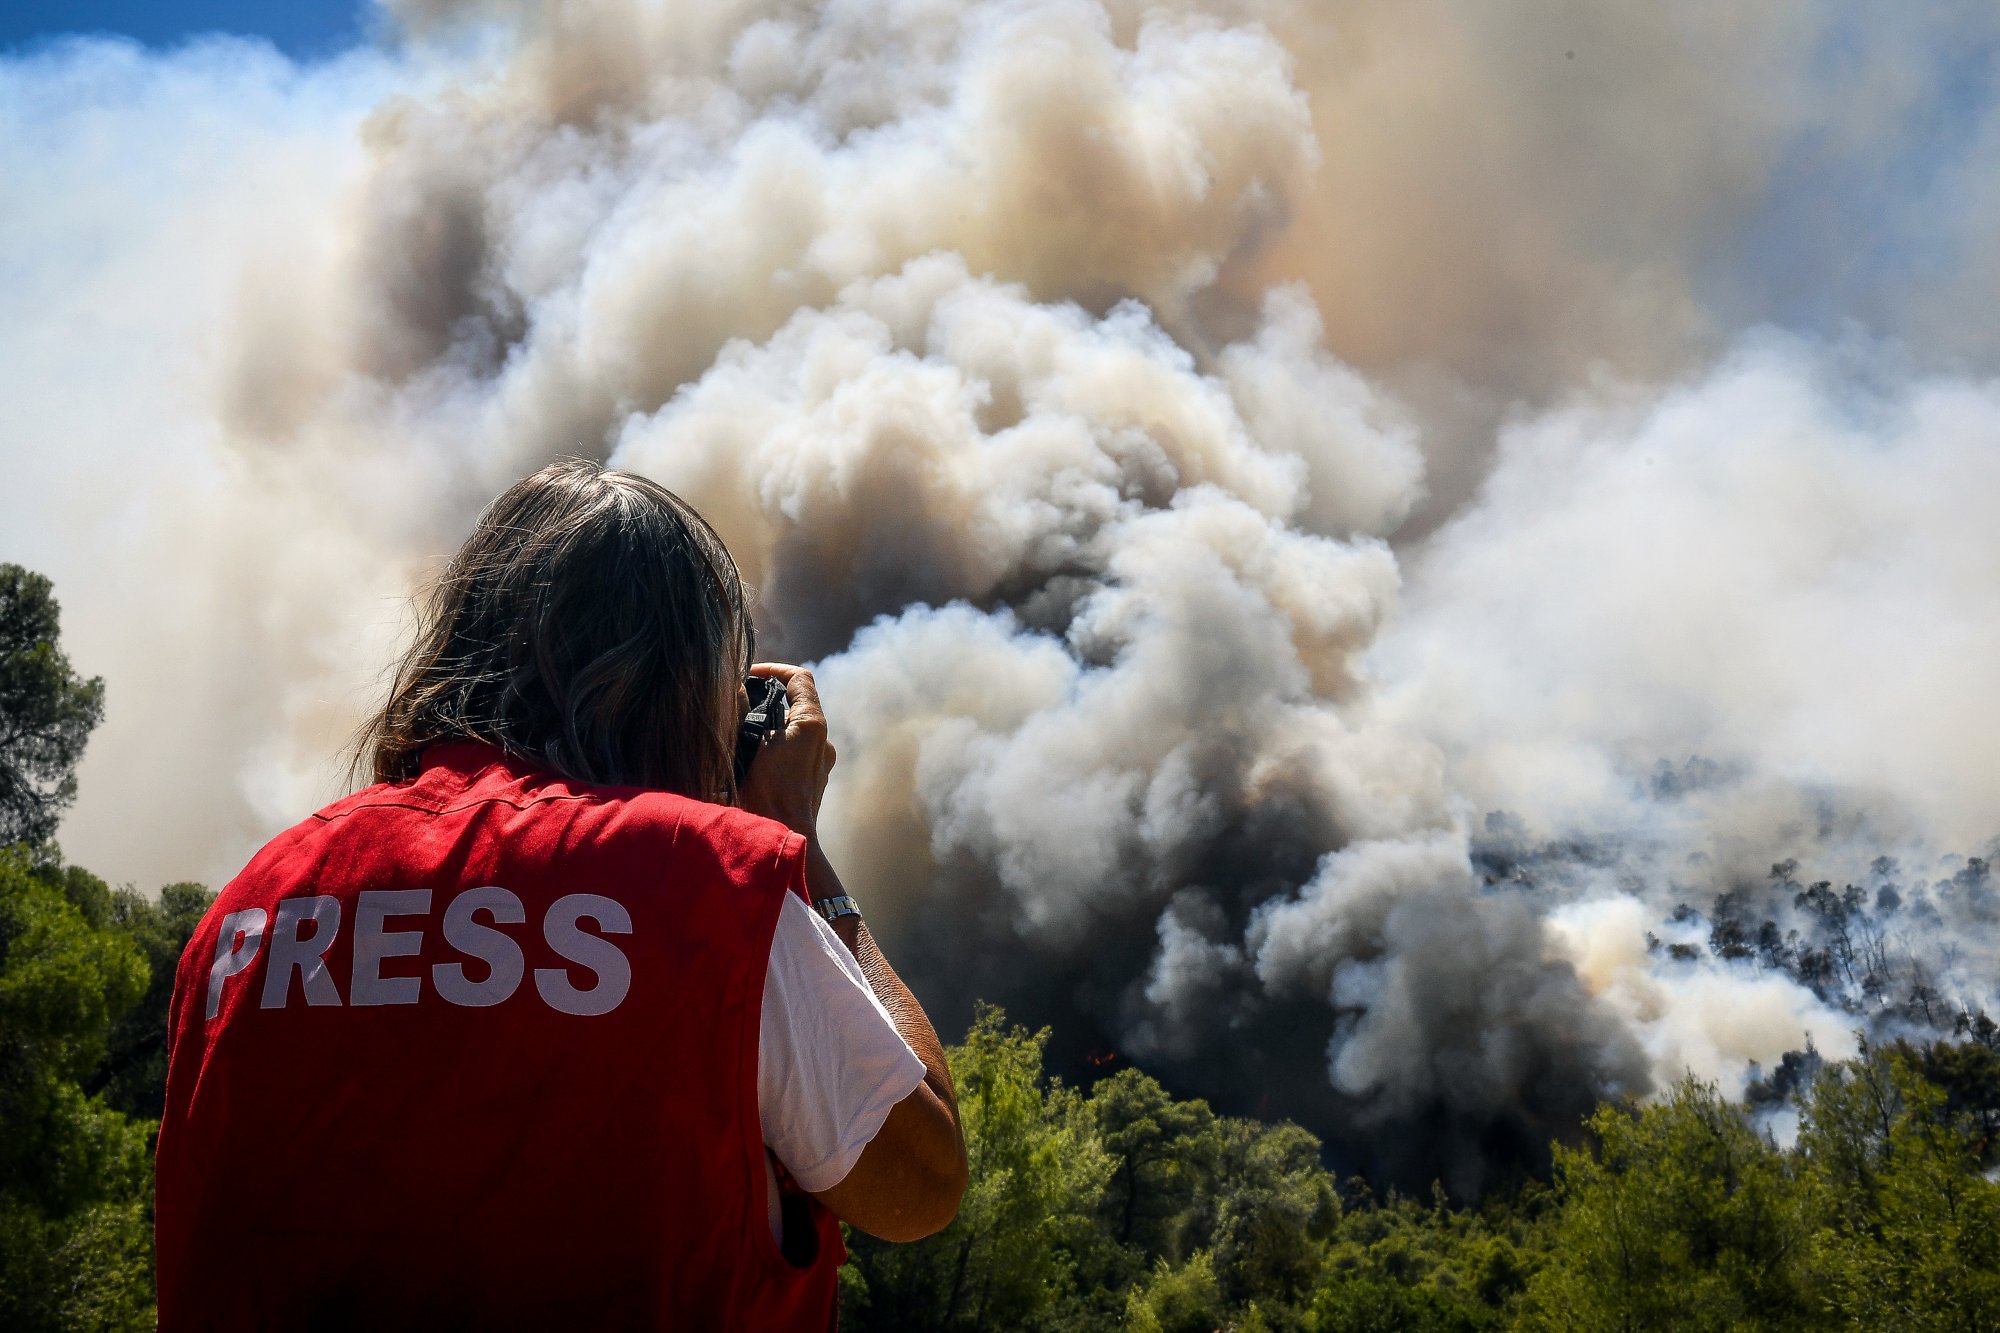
(47,711)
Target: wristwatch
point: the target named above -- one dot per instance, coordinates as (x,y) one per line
(835,908)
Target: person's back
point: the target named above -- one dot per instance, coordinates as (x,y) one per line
(441,1008)
(527,1034)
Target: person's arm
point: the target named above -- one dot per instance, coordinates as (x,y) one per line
(908,1181)
(911,1176)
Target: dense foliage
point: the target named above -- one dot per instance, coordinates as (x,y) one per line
(1123,1207)
(85,975)
(86,972)
(46,711)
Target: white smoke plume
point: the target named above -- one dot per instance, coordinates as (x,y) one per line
(1367,556)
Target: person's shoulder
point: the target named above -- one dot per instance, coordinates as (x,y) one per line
(263,875)
(713,822)
(705,838)
(379,793)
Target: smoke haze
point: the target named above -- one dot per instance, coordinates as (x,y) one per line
(1370,557)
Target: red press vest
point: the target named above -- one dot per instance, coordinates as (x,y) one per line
(481,1049)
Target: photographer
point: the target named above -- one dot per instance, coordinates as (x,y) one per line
(559,1024)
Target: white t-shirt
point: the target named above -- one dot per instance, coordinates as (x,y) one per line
(830,1063)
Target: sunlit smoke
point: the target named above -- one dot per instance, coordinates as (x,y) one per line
(1368,556)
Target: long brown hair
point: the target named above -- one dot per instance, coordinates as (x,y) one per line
(593,624)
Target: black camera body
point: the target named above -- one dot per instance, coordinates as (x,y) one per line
(765,719)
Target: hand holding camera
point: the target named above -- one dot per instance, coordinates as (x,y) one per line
(783,755)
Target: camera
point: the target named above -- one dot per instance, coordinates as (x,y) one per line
(765,719)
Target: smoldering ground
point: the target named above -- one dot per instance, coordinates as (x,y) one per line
(1216,454)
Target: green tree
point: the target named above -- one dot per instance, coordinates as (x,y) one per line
(46,711)
(1184,1299)
(1273,1209)
(1681,1217)
(1378,1305)
(1165,1153)
(1401,1264)
(1910,1234)
(133,1074)
(75,1175)
(1968,1072)
(1025,1229)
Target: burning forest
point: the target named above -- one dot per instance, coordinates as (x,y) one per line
(1411,568)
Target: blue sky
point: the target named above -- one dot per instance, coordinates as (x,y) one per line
(303,29)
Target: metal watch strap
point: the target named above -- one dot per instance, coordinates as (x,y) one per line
(834,908)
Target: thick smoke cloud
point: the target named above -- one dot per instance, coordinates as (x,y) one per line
(1782,568)
(1342,543)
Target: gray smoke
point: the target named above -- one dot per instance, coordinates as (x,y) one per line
(1215,454)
